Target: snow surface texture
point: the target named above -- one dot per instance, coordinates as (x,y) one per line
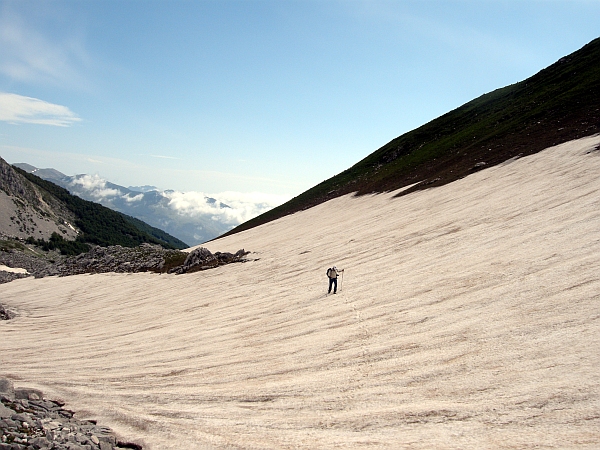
(468,318)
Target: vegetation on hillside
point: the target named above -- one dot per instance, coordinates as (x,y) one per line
(558,104)
(57,242)
(100,225)
(10,245)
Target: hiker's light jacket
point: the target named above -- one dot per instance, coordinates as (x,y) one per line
(334,273)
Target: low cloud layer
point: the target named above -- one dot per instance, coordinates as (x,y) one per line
(95,185)
(229,208)
(241,206)
(16,108)
(133,199)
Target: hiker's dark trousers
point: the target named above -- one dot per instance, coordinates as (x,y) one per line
(332,282)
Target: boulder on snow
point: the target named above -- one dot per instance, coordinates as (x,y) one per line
(6,388)
(5,315)
(28,394)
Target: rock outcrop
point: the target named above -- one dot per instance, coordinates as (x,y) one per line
(202,259)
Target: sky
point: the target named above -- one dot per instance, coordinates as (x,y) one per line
(260,98)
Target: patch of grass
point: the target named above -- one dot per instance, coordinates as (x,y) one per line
(7,246)
(173,259)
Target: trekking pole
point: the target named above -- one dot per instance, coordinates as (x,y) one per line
(342,282)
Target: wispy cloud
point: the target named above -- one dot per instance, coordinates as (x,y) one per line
(442,30)
(16,108)
(247,205)
(31,55)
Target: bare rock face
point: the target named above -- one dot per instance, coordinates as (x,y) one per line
(12,183)
(28,212)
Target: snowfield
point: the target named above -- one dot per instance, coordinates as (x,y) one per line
(468,318)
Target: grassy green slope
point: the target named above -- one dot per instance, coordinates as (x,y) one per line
(558,104)
(103,226)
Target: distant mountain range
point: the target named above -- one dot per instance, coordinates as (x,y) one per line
(160,209)
(47,215)
(558,104)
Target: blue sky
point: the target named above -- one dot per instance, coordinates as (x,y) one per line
(264,96)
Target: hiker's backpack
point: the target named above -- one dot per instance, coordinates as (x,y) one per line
(329,272)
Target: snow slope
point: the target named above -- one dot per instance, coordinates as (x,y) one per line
(468,318)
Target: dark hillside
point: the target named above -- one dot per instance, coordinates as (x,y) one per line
(162,236)
(558,104)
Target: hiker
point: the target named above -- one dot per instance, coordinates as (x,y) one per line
(333,275)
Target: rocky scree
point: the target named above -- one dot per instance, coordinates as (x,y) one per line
(144,258)
(29,421)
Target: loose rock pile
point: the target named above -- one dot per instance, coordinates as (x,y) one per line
(22,257)
(6,277)
(144,258)
(28,421)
